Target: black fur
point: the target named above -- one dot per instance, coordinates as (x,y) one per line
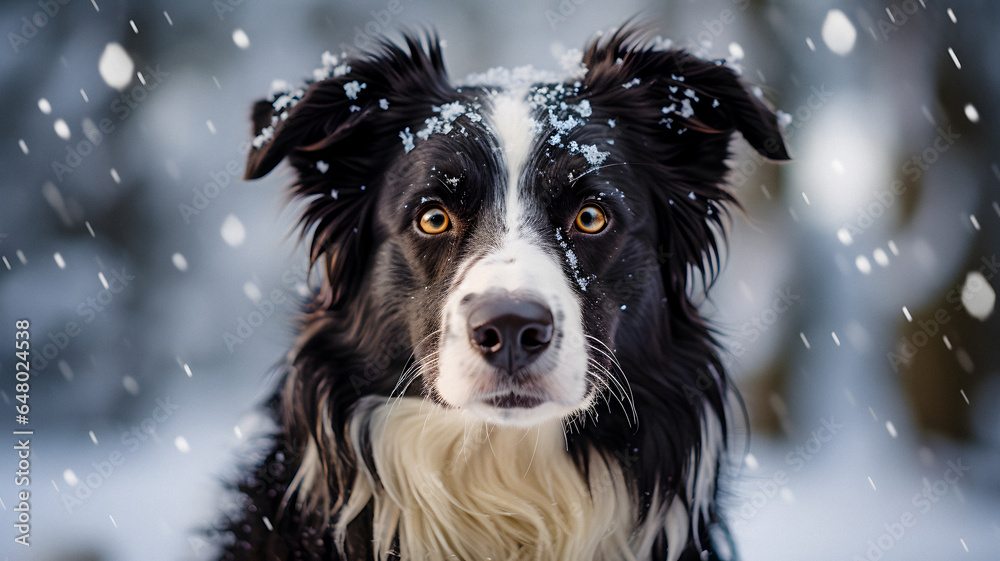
(373,316)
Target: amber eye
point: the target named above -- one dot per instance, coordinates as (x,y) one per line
(434,220)
(591,219)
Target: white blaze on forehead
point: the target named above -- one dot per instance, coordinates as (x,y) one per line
(515,131)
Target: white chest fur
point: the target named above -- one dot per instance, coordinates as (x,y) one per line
(456,488)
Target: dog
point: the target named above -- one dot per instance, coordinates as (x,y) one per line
(503,359)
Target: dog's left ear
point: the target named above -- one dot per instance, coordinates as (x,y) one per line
(724,103)
(340,135)
(281,131)
(684,93)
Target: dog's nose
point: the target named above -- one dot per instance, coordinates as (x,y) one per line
(510,332)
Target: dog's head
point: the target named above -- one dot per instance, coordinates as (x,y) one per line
(514,237)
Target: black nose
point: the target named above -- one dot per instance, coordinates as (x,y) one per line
(509,331)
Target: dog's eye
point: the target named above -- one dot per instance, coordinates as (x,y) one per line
(591,219)
(434,220)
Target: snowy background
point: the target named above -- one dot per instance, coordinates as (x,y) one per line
(857,304)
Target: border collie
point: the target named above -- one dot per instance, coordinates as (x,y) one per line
(504,359)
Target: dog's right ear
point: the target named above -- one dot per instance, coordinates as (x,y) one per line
(340,135)
(296,124)
(374,88)
(261,118)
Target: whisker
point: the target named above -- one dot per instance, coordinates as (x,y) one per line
(416,373)
(416,367)
(404,380)
(408,376)
(614,376)
(603,384)
(610,378)
(609,354)
(415,370)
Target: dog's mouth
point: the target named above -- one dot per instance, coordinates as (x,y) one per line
(512,400)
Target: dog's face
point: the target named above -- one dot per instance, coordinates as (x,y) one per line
(496,240)
(509,232)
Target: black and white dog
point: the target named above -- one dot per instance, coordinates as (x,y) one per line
(504,360)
